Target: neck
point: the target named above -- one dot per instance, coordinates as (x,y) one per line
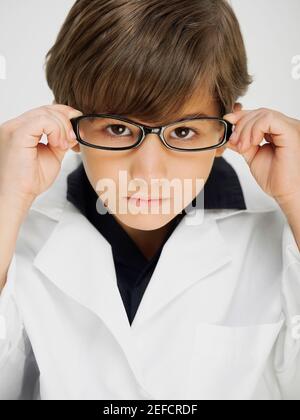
(148,241)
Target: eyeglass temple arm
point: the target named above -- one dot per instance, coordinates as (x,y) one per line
(229,129)
(74,124)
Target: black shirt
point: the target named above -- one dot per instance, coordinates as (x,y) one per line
(133,269)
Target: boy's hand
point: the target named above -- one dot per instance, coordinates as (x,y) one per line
(27,166)
(276,164)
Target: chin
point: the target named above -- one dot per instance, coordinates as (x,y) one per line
(145,221)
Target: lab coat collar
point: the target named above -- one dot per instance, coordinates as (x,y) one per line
(90,277)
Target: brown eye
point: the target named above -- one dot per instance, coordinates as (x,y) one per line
(182,133)
(118,130)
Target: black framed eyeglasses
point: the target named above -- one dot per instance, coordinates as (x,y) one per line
(114,132)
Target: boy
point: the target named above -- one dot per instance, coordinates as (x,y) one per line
(153,306)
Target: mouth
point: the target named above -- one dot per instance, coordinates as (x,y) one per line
(146,202)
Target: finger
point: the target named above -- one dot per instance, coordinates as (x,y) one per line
(68,111)
(274,127)
(58,136)
(46,152)
(58,109)
(242,127)
(238,120)
(244,130)
(34,127)
(63,119)
(279,126)
(66,129)
(250,154)
(62,146)
(245,136)
(64,116)
(234,117)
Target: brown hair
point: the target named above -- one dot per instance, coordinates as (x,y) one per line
(147,57)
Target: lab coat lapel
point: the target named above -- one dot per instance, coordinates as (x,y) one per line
(191,253)
(79,261)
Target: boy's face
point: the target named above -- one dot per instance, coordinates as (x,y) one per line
(151,161)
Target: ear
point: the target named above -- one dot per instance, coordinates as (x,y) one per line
(237,107)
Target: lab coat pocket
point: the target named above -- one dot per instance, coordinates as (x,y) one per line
(228,361)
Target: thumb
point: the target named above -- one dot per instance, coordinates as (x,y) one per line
(58,151)
(248,155)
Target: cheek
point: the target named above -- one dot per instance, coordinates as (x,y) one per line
(196,167)
(195,173)
(101,165)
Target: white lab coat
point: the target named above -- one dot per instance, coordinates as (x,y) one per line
(217,320)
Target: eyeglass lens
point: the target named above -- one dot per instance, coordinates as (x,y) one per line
(110,132)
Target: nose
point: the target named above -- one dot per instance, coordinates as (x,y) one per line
(152,144)
(150,157)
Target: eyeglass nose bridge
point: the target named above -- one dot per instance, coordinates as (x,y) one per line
(153,130)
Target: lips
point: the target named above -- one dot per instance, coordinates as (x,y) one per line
(145,198)
(142,201)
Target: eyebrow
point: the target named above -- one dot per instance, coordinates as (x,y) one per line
(189,116)
(185,117)
(199,114)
